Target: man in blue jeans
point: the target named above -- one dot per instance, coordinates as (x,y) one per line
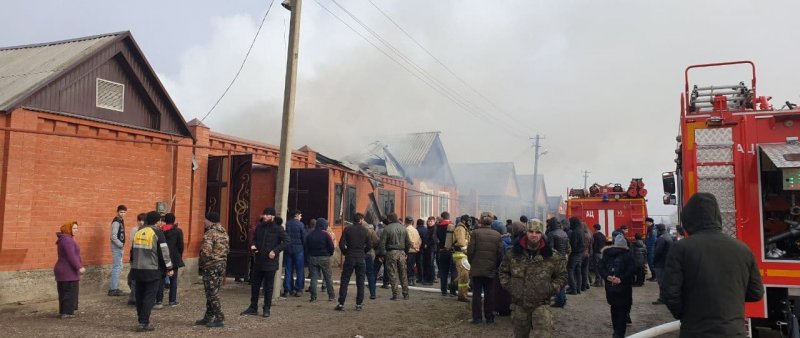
(294,258)
(117,243)
(369,258)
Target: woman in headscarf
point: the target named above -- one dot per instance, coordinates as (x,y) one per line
(68,270)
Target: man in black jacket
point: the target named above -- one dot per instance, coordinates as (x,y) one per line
(599,242)
(269,240)
(355,243)
(617,269)
(558,241)
(708,275)
(576,242)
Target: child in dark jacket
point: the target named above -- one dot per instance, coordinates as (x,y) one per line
(617,269)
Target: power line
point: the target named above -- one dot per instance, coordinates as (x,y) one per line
(444,87)
(424,77)
(264,19)
(465,83)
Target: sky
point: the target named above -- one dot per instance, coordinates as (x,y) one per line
(600,81)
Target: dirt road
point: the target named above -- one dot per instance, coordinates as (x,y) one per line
(426,314)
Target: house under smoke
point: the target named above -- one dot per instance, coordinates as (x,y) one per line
(489,187)
(421,160)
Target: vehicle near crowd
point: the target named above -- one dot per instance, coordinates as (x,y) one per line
(612,206)
(735,145)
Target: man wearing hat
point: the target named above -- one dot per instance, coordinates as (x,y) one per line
(269,241)
(213,259)
(532,273)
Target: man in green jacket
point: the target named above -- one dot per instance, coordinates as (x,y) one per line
(394,245)
(708,275)
(532,273)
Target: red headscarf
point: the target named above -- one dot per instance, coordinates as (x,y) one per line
(66,228)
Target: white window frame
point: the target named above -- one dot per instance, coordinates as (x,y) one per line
(426,203)
(444,201)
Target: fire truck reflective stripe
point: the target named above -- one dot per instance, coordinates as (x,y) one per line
(611,225)
(783,273)
(602,220)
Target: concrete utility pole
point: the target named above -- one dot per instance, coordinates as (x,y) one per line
(586,179)
(536,146)
(285,166)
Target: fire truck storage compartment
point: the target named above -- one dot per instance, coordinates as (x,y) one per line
(780,200)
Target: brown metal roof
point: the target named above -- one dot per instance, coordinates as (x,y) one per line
(23,69)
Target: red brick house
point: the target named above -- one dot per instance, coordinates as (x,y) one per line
(86,125)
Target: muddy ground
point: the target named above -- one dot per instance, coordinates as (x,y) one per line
(426,314)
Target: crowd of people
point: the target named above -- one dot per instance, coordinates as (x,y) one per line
(520,269)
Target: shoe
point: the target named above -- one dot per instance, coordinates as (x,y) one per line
(298,294)
(558,305)
(571,293)
(444,294)
(658,302)
(331,299)
(476,321)
(131,302)
(173,304)
(313,299)
(489,320)
(405,297)
(249,311)
(215,323)
(339,307)
(359,307)
(115,293)
(394,297)
(144,328)
(203,321)
(158,306)
(283,294)
(373,296)
(66,316)
(384,286)
(266,313)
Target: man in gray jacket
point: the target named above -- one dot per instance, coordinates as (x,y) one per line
(117,243)
(393,247)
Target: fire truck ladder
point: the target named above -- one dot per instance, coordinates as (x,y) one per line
(736,96)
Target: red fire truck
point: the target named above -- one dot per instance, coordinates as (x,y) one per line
(611,206)
(735,145)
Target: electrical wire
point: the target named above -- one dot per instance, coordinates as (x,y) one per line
(448,69)
(425,77)
(264,19)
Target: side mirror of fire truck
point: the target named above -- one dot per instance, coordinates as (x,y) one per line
(668,180)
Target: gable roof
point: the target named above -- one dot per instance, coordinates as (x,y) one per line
(487,179)
(410,150)
(23,69)
(554,202)
(27,70)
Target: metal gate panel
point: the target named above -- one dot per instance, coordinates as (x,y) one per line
(239,215)
(718,180)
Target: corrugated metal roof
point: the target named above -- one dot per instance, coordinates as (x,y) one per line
(24,68)
(411,149)
(487,179)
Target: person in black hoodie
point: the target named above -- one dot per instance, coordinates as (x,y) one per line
(709,275)
(174,238)
(663,245)
(269,241)
(319,249)
(576,242)
(617,269)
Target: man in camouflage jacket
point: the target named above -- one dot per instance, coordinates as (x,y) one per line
(532,273)
(213,259)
